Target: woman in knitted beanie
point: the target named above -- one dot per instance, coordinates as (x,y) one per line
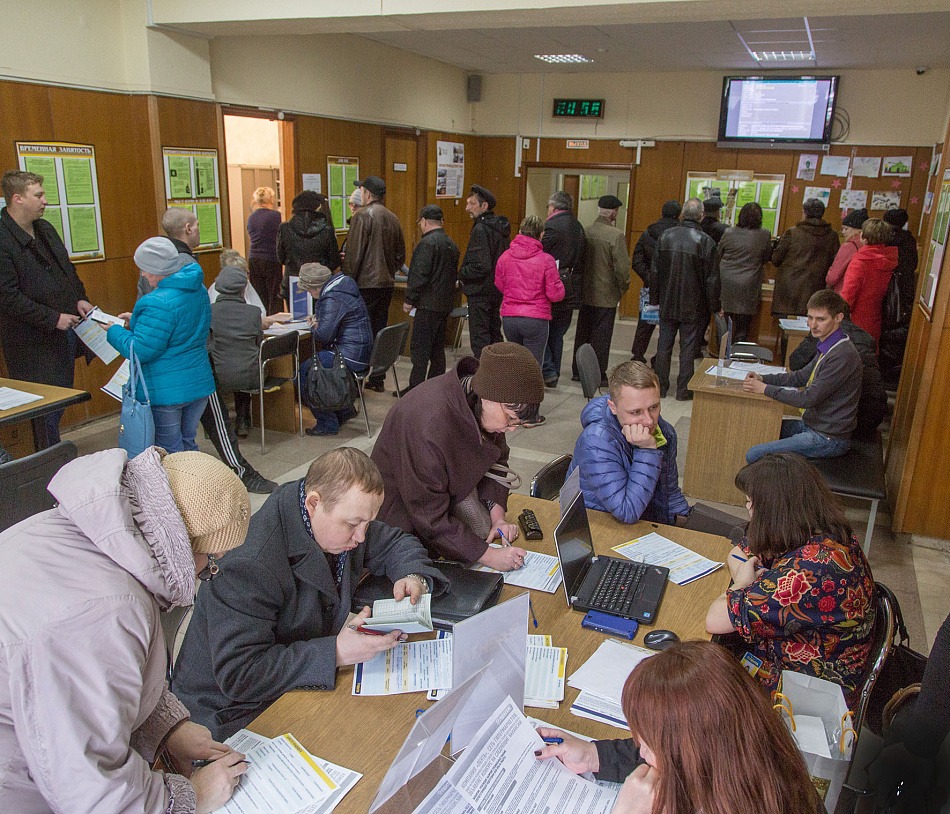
(85,706)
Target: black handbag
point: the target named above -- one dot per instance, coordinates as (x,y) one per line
(892,307)
(331,388)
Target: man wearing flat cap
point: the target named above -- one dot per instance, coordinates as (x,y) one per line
(489,239)
(606,279)
(375,251)
(710,223)
(431,291)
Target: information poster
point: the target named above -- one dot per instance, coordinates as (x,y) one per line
(191,181)
(450,170)
(765,190)
(938,245)
(342,173)
(72,192)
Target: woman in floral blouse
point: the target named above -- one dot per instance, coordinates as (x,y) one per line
(802,597)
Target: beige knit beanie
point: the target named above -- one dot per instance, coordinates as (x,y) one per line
(212,500)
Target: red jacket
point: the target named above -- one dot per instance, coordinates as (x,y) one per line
(835,275)
(865,283)
(528,280)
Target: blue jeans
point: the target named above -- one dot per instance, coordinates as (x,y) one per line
(560,323)
(177,424)
(797,437)
(529,332)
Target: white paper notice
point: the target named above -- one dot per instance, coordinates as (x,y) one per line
(726,372)
(411,667)
(10,398)
(93,335)
(589,705)
(545,670)
(757,367)
(605,672)
(823,194)
(854,198)
(540,572)
(114,386)
(866,166)
(794,323)
(654,549)
(834,165)
(312,181)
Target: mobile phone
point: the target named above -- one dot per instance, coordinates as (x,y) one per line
(611,625)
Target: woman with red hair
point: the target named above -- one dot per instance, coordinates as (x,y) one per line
(704,739)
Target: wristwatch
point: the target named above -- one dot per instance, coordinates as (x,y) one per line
(422,579)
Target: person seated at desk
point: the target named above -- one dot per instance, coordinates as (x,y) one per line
(627,453)
(830,388)
(275,617)
(802,595)
(704,739)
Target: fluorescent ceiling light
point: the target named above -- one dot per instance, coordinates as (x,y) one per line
(783,56)
(562,58)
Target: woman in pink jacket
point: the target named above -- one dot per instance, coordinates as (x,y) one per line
(851,230)
(528,280)
(868,274)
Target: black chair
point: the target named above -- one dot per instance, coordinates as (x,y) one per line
(882,640)
(274,347)
(750,352)
(23,482)
(460,314)
(387,348)
(588,368)
(549,479)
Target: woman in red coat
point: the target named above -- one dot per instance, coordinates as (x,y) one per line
(868,274)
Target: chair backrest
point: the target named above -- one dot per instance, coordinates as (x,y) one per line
(275,346)
(388,346)
(171,621)
(751,349)
(886,611)
(23,482)
(588,368)
(549,479)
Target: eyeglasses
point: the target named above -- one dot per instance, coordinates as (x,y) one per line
(209,572)
(512,422)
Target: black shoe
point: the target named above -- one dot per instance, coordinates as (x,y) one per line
(603,383)
(642,360)
(552,383)
(256,483)
(537,422)
(684,397)
(242,426)
(400,393)
(575,378)
(376,387)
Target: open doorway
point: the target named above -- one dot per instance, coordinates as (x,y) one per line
(584,184)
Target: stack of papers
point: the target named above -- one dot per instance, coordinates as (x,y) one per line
(726,372)
(288,327)
(794,323)
(284,778)
(389,615)
(10,398)
(92,331)
(408,667)
(540,572)
(654,549)
(756,367)
(114,386)
(601,679)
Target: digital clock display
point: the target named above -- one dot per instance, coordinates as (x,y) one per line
(579,108)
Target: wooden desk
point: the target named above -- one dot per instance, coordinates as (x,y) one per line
(54,398)
(397,315)
(725,422)
(791,339)
(366,733)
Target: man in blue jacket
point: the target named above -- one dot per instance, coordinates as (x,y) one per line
(626,453)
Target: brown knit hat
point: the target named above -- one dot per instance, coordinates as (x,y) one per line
(509,374)
(212,500)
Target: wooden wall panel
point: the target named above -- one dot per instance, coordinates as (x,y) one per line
(602,151)
(658,181)
(24,116)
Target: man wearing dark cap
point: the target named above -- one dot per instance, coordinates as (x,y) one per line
(488,240)
(431,291)
(642,261)
(851,231)
(710,223)
(606,279)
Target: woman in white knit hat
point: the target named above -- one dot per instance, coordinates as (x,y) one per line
(84,706)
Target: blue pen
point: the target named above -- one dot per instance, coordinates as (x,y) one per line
(553,740)
(741,559)
(531,607)
(504,539)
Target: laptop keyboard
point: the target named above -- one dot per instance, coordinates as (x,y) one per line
(618,587)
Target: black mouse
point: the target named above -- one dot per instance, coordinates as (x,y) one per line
(660,639)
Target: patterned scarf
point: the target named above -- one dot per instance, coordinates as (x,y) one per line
(337,562)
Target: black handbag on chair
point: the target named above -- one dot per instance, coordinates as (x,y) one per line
(330,388)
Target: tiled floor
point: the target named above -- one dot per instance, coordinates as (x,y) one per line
(917,575)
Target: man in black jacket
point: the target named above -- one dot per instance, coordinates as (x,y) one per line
(274,619)
(489,239)
(563,239)
(41,297)
(430,290)
(710,223)
(685,278)
(642,261)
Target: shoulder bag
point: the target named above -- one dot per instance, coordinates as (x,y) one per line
(330,388)
(136,425)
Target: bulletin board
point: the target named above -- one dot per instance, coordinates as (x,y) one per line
(342,172)
(72,192)
(191,181)
(765,190)
(938,245)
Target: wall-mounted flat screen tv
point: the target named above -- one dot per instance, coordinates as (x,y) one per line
(777,111)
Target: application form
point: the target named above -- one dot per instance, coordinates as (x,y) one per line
(655,549)
(409,667)
(540,572)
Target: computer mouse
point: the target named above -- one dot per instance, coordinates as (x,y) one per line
(660,639)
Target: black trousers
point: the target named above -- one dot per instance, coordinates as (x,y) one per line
(266,276)
(596,326)
(377,303)
(484,323)
(427,345)
(217,424)
(641,340)
(691,339)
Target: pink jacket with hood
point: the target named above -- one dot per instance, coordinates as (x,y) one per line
(527,278)
(83,700)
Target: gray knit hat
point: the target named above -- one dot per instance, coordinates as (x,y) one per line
(313,276)
(231,280)
(158,256)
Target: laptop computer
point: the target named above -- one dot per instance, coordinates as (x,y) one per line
(621,587)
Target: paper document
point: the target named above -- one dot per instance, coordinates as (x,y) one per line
(540,572)
(444,799)
(809,734)
(589,705)
(93,335)
(499,774)
(298,325)
(654,549)
(390,614)
(794,323)
(10,398)
(605,672)
(410,667)
(100,316)
(114,386)
(757,367)
(726,372)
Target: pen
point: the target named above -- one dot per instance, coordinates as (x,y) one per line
(200,764)
(531,607)
(741,559)
(501,534)
(553,740)
(368,631)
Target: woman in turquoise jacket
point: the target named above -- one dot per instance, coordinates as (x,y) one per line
(169,328)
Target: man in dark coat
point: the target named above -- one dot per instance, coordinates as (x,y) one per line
(41,297)
(430,289)
(710,223)
(274,618)
(685,278)
(802,258)
(563,239)
(893,340)
(642,261)
(489,239)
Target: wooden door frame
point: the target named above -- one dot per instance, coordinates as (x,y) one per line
(421,141)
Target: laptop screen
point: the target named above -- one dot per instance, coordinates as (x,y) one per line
(575,549)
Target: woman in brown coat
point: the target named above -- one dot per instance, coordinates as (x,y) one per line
(803,256)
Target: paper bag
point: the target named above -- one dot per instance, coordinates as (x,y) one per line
(810,697)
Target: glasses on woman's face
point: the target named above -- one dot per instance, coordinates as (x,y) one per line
(209,572)
(511,418)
